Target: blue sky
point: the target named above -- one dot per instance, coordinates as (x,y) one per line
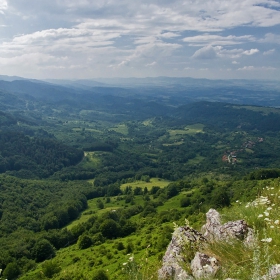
(74,39)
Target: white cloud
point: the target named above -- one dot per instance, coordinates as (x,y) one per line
(210,52)
(168,35)
(251,51)
(109,34)
(151,64)
(217,40)
(235,62)
(207,52)
(271,38)
(253,68)
(3,6)
(269,52)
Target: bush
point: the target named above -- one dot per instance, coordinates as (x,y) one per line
(11,271)
(185,202)
(84,241)
(100,275)
(109,228)
(50,268)
(43,250)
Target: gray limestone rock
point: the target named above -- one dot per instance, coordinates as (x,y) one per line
(214,230)
(183,259)
(273,273)
(203,266)
(175,255)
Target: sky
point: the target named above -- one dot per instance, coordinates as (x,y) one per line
(87,39)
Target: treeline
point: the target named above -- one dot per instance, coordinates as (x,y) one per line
(263,174)
(28,157)
(227,116)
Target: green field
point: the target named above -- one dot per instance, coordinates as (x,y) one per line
(153,182)
(91,159)
(121,128)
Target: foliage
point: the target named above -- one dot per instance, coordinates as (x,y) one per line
(50,268)
(100,275)
(43,250)
(148,164)
(34,157)
(11,271)
(84,241)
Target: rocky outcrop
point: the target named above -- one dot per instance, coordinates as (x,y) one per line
(183,238)
(203,266)
(273,273)
(214,231)
(184,259)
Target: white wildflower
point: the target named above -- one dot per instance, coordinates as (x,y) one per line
(268,208)
(276,222)
(266,213)
(260,216)
(267,219)
(124,264)
(271,226)
(268,240)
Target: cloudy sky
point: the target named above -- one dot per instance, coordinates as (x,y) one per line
(139,38)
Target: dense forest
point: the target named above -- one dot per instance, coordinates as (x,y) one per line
(108,170)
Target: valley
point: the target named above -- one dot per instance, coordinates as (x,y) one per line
(92,176)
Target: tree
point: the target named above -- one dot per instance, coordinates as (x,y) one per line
(109,228)
(100,204)
(11,271)
(220,198)
(84,241)
(43,250)
(185,202)
(50,268)
(100,275)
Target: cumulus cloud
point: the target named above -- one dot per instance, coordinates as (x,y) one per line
(107,34)
(3,6)
(271,38)
(210,52)
(207,52)
(251,51)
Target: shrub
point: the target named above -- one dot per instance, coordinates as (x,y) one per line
(185,202)
(43,250)
(11,271)
(84,241)
(50,268)
(100,275)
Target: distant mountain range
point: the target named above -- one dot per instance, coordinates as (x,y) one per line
(161,90)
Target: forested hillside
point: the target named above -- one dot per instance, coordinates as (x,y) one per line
(91,172)
(28,157)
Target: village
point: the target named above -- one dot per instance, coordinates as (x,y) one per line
(231,156)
